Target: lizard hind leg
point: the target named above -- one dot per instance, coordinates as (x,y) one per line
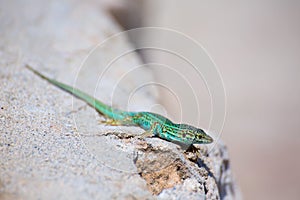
(110,122)
(127,121)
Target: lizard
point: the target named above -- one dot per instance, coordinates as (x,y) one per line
(153,124)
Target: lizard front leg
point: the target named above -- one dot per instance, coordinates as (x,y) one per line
(151,132)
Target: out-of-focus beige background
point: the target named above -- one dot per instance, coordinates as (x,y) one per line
(256,46)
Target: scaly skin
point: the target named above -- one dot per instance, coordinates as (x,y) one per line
(153,124)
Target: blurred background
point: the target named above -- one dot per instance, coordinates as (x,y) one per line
(256,46)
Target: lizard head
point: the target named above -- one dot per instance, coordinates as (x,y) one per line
(193,135)
(201,137)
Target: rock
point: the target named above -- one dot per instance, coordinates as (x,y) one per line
(53,146)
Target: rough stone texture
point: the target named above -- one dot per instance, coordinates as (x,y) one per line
(52,145)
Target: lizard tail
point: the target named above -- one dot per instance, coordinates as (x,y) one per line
(98,105)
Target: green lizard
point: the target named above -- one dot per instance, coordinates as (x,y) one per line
(153,124)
